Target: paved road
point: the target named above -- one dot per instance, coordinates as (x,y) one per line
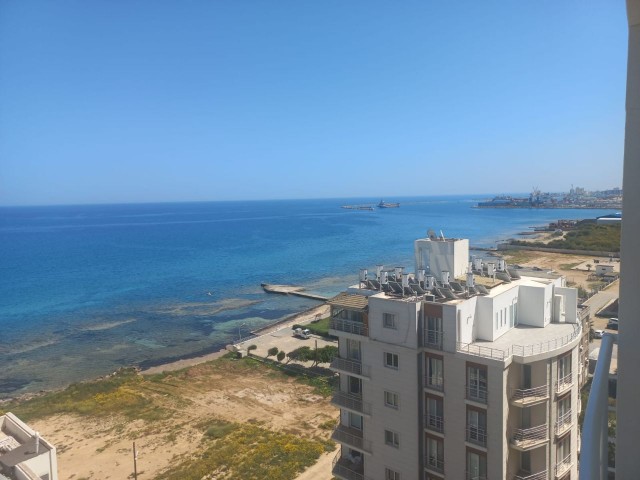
(603,297)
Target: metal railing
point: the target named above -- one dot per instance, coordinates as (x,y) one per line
(524,437)
(565,464)
(349,366)
(434,422)
(519,350)
(594,449)
(477,394)
(349,326)
(434,463)
(564,422)
(564,383)
(433,339)
(477,435)
(532,476)
(526,395)
(351,402)
(434,383)
(345,469)
(350,436)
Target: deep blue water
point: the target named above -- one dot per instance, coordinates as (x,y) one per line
(86,289)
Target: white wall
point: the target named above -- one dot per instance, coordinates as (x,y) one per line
(437,256)
(406,319)
(570,296)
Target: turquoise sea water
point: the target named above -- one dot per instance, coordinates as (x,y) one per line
(87,289)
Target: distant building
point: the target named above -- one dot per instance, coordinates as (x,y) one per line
(603,269)
(24,455)
(457,373)
(611,219)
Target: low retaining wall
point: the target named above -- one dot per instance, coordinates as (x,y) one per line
(591,253)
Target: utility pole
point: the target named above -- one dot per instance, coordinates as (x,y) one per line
(135,459)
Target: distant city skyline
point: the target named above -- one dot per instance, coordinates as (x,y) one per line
(130,102)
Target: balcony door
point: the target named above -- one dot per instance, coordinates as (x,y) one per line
(477,382)
(477,424)
(353,350)
(476,466)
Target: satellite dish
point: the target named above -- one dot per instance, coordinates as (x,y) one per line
(431,234)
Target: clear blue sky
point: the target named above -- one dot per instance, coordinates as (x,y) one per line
(134,101)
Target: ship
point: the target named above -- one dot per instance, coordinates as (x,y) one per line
(384,204)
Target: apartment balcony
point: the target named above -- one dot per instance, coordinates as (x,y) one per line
(525,397)
(563,425)
(352,367)
(434,464)
(477,394)
(532,476)
(434,383)
(563,466)
(349,326)
(564,384)
(433,339)
(348,468)
(528,438)
(351,402)
(351,437)
(477,435)
(435,423)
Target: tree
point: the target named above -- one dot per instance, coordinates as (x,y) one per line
(588,265)
(280,356)
(326,354)
(252,347)
(302,354)
(272,351)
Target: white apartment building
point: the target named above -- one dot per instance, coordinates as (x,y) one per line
(24,454)
(466,376)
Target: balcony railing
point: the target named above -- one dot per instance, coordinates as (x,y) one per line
(475,476)
(434,383)
(477,435)
(532,476)
(519,350)
(347,469)
(350,366)
(477,394)
(349,326)
(564,423)
(564,383)
(594,449)
(525,396)
(564,465)
(530,437)
(351,437)
(433,339)
(434,422)
(351,402)
(432,462)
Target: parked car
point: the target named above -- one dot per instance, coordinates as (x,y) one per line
(613,324)
(598,333)
(300,333)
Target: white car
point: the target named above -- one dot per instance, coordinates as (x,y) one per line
(598,333)
(300,333)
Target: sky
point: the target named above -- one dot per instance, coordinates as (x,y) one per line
(114,101)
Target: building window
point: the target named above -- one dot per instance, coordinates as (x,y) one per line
(353,350)
(497,326)
(389,320)
(355,385)
(391,399)
(435,373)
(476,465)
(355,421)
(477,383)
(391,474)
(434,415)
(435,454)
(391,360)
(476,426)
(391,438)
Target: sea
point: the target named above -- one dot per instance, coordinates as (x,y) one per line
(87,289)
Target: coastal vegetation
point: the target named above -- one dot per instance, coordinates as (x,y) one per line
(320,328)
(231,417)
(587,235)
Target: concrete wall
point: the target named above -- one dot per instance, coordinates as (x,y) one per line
(436,256)
(570,296)
(531,307)
(627,458)
(406,314)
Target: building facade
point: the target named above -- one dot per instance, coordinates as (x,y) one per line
(472,375)
(24,454)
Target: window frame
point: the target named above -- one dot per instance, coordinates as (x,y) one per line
(392,324)
(391,438)
(395,360)
(390,474)
(394,404)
